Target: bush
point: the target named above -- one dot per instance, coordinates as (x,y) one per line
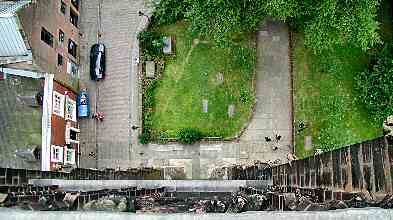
(376,85)
(144,138)
(189,135)
(151,44)
(148,105)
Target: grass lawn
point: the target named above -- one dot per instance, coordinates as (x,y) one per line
(191,77)
(325,98)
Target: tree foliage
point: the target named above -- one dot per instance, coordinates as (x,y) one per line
(338,22)
(376,85)
(170,11)
(326,23)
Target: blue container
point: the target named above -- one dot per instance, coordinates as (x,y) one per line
(83,105)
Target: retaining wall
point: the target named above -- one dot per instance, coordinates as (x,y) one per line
(360,167)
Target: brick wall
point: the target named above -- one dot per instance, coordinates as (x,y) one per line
(59,123)
(47,14)
(359,167)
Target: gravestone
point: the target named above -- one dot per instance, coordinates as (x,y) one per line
(308,143)
(205,104)
(276,38)
(167,45)
(231,110)
(220,78)
(264,33)
(150,69)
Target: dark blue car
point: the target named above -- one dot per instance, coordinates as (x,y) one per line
(97,62)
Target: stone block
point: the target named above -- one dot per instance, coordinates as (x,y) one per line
(205,105)
(231,110)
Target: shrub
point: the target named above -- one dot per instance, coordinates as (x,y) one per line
(189,135)
(151,44)
(376,85)
(144,138)
(148,105)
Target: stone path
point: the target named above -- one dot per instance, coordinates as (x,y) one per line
(118,96)
(273,93)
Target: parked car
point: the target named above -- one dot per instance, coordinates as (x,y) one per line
(97,62)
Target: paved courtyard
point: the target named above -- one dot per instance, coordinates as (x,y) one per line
(113,141)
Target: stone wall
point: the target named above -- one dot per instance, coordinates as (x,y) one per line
(360,167)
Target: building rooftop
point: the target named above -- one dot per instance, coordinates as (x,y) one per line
(20,121)
(9,8)
(12,44)
(11,40)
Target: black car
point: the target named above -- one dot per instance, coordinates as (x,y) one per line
(97,62)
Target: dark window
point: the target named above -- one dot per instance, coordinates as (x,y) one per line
(73,18)
(75,3)
(60,60)
(72,47)
(73,135)
(47,37)
(63,7)
(61,36)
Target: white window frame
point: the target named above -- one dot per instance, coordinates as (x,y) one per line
(70,115)
(68,134)
(58,104)
(56,154)
(72,151)
(72,68)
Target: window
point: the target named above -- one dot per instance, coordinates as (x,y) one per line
(61,37)
(63,7)
(72,69)
(75,3)
(47,37)
(72,47)
(69,156)
(73,18)
(56,154)
(58,104)
(70,111)
(60,60)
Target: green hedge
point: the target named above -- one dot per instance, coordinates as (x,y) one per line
(189,135)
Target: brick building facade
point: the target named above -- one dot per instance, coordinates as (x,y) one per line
(52,30)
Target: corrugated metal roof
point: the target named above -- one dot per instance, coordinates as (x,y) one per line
(8,8)
(11,41)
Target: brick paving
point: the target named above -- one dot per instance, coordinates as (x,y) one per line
(118,96)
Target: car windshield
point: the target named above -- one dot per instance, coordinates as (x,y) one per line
(98,65)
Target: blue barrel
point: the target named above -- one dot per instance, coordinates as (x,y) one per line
(83,104)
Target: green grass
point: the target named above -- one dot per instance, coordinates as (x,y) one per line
(191,77)
(325,98)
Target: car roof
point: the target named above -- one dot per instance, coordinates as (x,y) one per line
(98,47)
